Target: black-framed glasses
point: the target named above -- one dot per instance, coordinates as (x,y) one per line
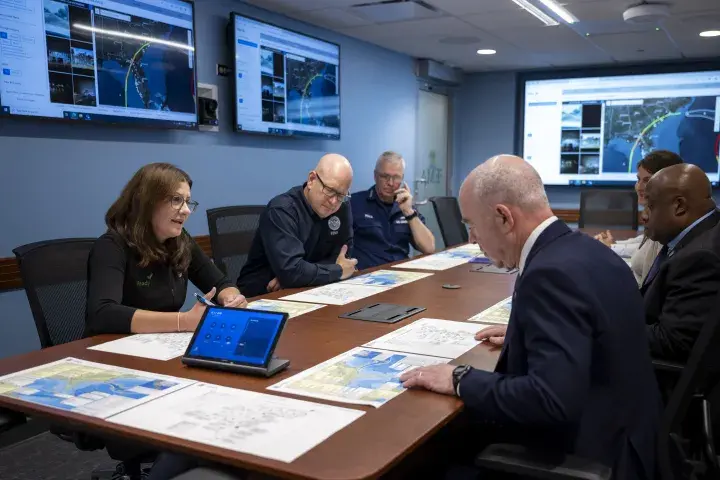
(177,202)
(331,192)
(389,178)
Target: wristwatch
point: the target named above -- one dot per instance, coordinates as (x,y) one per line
(457,375)
(411,216)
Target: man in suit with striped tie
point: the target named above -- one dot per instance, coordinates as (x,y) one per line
(681,287)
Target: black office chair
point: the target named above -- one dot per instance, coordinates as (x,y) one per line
(232,230)
(449,219)
(54,275)
(608,208)
(677,455)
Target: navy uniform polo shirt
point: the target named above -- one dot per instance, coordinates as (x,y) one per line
(295,245)
(381,232)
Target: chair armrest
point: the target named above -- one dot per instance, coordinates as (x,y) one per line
(520,460)
(207,474)
(667,366)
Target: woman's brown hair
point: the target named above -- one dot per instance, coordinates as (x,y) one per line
(131,215)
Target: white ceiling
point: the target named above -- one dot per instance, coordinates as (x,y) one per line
(521,40)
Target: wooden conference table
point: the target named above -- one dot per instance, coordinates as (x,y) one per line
(368,447)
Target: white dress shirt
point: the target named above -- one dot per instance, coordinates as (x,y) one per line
(531,241)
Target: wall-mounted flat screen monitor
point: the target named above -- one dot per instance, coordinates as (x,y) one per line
(286,83)
(592,131)
(99,61)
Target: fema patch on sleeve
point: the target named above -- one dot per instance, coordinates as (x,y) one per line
(334,224)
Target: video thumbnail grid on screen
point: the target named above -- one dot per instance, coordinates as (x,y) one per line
(90,67)
(298,90)
(611,137)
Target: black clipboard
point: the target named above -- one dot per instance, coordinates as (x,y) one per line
(383,313)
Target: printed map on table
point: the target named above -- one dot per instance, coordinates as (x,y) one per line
(443,260)
(88,388)
(387,278)
(498,313)
(336,293)
(362,376)
(293,309)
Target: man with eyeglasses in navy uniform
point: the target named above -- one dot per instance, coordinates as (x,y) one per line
(305,234)
(385,223)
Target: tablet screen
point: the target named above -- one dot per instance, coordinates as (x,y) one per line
(237,335)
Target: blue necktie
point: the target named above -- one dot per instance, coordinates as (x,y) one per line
(659,260)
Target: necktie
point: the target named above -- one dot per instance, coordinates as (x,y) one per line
(655,267)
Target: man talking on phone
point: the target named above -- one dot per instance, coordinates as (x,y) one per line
(385,222)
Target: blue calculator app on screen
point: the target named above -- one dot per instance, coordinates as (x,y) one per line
(237,335)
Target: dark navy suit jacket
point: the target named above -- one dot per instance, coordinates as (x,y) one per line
(575,374)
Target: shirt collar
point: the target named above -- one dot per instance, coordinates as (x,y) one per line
(308,207)
(373,197)
(531,241)
(674,242)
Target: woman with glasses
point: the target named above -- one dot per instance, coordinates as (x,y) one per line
(139,269)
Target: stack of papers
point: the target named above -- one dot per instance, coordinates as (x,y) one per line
(336,293)
(362,376)
(88,388)
(157,346)
(497,314)
(248,422)
(430,336)
(293,309)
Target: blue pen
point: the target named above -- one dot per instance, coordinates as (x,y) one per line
(204,300)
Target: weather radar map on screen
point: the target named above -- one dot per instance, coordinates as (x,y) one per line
(593,131)
(286,83)
(113,61)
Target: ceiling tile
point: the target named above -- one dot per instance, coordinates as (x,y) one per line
(284,6)
(558,39)
(332,18)
(468,7)
(432,27)
(637,46)
(503,20)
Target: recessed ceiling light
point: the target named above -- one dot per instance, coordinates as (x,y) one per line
(486,51)
(710,33)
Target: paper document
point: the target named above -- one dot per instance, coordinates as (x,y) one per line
(363,376)
(472,249)
(248,422)
(336,294)
(88,388)
(158,346)
(498,313)
(430,336)
(293,309)
(438,261)
(387,278)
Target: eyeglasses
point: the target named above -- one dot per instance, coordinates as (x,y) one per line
(331,192)
(389,178)
(177,202)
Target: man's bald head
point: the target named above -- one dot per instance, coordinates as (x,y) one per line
(335,166)
(676,196)
(507,179)
(329,184)
(503,200)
